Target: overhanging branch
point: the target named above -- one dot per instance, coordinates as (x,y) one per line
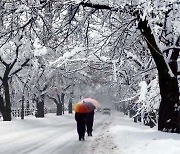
(22,65)
(96,6)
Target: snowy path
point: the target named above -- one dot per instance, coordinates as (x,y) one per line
(114,134)
(52,135)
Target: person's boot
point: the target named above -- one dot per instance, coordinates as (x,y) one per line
(90,134)
(79,138)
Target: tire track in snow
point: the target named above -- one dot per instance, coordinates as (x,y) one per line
(30,140)
(57,138)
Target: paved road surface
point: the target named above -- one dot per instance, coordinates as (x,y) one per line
(55,138)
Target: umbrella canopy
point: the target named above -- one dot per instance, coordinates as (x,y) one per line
(93,101)
(83,107)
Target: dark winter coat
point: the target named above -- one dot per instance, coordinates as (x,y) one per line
(80,119)
(89,121)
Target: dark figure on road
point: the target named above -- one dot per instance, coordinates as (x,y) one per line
(81,127)
(89,122)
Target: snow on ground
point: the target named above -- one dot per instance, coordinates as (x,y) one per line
(114,134)
(123,136)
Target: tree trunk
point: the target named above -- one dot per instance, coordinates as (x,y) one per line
(22,107)
(40,109)
(7,104)
(70,106)
(2,105)
(62,101)
(59,109)
(60,105)
(168,111)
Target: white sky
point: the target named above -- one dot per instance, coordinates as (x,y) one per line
(114,134)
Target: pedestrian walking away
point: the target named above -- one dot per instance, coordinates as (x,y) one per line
(81,110)
(81,128)
(89,122)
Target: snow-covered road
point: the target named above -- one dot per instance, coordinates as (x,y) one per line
(51,135)
(114,134)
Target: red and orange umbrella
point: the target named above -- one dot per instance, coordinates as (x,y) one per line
(93,101)
(83,107)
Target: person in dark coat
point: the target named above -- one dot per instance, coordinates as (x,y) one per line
(89,122)
(81,127)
